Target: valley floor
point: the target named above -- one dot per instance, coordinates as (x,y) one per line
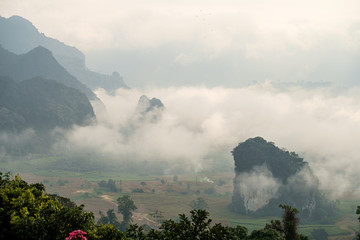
(160,197)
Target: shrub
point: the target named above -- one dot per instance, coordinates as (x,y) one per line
(137,190)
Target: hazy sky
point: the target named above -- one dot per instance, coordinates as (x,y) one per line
(232,43)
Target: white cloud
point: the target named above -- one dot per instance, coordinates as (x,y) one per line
(202,125)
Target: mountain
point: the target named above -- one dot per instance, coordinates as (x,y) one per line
(146,105)
(257,151)
(267,176)
(39,62)
(19,35)
(42,105)
(148,110)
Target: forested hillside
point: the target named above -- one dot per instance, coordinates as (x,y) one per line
(41,104)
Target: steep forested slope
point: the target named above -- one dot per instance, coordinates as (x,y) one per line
(41,104)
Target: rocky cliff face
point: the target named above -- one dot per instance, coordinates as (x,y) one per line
(267,176)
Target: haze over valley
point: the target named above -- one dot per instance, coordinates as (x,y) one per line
(140,92)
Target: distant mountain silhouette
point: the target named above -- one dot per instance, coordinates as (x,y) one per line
(39,62)
(41,104)
(146,105)
(19,35)
(148,110)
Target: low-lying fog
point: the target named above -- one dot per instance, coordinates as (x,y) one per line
(199,126)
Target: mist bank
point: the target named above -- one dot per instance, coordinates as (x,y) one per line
(199,126)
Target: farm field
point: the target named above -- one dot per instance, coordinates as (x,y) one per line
(160,197)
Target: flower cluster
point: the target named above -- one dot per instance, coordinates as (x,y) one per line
(77,234)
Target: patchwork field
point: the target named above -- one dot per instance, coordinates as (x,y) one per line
(160,197)
(156,196)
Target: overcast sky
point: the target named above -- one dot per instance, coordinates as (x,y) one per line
(232,43)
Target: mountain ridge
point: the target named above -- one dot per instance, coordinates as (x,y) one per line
(20,36)
(38,62)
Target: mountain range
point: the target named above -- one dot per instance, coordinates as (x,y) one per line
(39,62)
(20,36)
(36,91)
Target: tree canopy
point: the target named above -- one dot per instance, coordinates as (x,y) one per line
(27,212)
(126,206)
(199,203)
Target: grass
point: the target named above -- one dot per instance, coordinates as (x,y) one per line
(82,197)
(332,230)
(348,206)
(354,228)
(97,176)
(94,176)
(251,224)
(29,165)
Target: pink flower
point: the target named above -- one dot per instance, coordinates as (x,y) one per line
(77,234)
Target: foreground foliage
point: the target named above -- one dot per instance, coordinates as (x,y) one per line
(358,212)
(27,212)
(198,226)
